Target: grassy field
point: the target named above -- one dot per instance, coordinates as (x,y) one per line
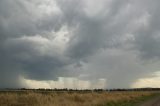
(30,98)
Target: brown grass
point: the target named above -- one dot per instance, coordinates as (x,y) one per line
(65,98)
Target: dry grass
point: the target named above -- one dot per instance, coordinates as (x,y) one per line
(65,98)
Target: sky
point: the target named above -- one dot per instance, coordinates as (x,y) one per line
(80,44)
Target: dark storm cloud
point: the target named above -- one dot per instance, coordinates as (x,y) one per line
(21,55)
(108,39)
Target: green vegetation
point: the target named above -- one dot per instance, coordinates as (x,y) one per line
(132,102)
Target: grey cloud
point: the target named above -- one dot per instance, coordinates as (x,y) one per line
(112,41)
(147,39)
(38,60)
(25,18)
(120,68)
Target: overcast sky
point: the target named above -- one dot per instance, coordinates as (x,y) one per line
(79,43)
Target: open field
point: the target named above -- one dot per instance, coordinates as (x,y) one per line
(53,98)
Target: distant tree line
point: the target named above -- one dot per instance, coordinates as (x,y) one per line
(81,90)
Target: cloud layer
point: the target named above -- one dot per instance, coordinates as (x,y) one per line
(41,40)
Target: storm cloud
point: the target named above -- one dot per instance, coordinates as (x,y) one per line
(111,41)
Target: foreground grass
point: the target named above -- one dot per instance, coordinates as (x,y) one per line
(29,98)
